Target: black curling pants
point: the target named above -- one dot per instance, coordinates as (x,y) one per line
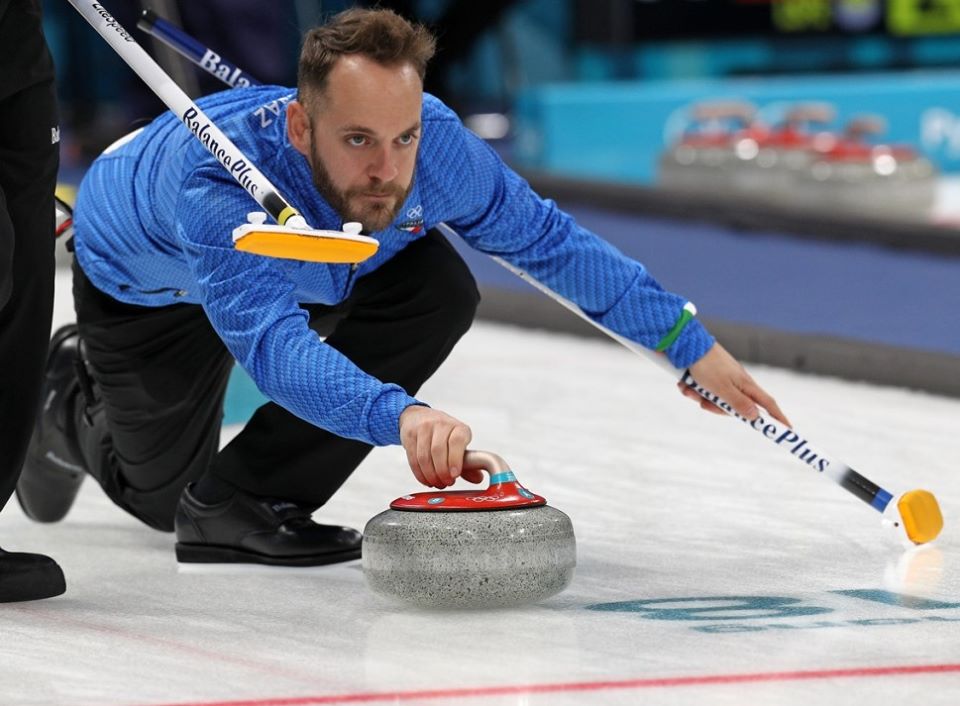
(161,374)
(29,159)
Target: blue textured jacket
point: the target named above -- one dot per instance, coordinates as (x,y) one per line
(155,214)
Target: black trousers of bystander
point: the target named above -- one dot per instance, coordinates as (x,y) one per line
(29,158)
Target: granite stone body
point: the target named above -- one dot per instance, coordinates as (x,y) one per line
(480,559)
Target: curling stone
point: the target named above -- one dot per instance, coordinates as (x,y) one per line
(470,549)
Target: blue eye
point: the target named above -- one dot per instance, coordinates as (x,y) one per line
(357,140)
(407,139)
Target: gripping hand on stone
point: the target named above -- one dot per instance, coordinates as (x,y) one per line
(719,372)
(435,443)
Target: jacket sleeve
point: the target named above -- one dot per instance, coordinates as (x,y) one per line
(498,213)
(251,303)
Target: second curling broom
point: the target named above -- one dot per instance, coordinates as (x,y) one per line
(291,237)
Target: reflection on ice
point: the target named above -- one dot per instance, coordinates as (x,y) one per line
(918,570)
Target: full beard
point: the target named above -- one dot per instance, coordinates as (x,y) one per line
(375,215)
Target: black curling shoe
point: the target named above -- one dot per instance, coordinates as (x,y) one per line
(29,577)
(248,529)
(53,470)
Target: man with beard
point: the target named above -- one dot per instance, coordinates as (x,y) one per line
(165,304)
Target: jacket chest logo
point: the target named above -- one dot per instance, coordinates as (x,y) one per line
(413,221)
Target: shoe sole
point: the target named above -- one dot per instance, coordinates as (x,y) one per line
(32,586)
(215,554)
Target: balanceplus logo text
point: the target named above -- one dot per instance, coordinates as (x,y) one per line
(112,23)
(799,446)
(242,171)
(230,75)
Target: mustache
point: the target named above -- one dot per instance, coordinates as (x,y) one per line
(388,190)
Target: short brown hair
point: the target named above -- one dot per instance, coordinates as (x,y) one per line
(380,34)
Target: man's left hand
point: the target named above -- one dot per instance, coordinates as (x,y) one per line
(719,372)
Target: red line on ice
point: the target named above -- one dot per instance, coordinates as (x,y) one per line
(648,683)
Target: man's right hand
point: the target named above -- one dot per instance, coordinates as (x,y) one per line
(435,443)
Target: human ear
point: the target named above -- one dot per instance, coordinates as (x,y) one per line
(298,127)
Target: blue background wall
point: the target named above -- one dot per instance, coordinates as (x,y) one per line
(616,130)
